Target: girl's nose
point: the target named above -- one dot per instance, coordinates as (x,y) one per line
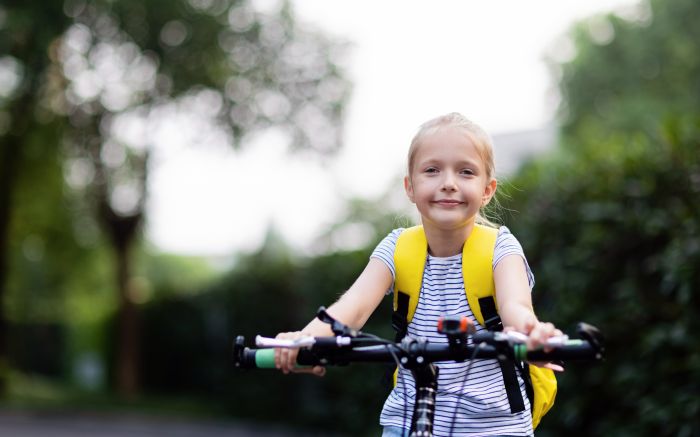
(448,182)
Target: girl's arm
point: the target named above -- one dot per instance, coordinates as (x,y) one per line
(515,301)
(353,308)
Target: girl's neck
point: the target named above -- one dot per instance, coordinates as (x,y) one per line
(447,242)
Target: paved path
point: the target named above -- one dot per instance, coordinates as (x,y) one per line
(15,423)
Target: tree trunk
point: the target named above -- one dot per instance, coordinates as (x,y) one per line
(128,325)
(8,164)
(123,230)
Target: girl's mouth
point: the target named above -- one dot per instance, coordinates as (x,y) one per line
(447,202)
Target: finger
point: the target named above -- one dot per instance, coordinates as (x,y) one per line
(555,367)
(315,370)
(546,330)
(530,325)
(537,336)
(292,359)
(278,358)
(279,352)
(319,370)
(284,361)
(532,341)
(548,365)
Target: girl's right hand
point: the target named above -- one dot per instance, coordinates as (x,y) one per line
(286,359)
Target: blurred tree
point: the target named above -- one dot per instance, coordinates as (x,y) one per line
(267,292)
(118,71)
(621,254)
(631,70)
(610,222)
(364,222)
(27,30)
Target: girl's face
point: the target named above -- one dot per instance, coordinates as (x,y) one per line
(448,180)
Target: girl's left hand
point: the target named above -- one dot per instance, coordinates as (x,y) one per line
(538,333)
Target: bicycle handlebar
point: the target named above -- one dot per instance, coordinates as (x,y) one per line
(265,358)
(342,350)
(418,355)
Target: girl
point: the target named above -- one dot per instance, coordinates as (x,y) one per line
(450,178)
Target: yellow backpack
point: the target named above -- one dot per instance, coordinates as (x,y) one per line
(477,258)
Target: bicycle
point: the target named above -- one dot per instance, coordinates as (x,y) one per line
(418,355)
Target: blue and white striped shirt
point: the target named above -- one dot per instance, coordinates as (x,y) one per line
(481,408)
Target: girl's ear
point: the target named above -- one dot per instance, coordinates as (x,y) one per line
(489,191)
(409,188)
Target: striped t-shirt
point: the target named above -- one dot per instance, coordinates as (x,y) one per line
(481,408)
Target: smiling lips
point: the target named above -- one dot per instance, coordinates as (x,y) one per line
(447,202)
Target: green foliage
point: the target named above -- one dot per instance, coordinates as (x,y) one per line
(646,70)
(77,76)
(163,274)
(616,242)
(611,221)
(187,343)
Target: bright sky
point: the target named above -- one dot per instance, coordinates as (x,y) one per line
(410,61)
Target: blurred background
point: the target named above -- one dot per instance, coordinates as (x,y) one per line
(174,173)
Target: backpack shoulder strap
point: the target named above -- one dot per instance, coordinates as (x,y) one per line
(409,262)
(477,271)
(410,255)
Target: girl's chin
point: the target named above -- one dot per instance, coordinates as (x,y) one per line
(447,223)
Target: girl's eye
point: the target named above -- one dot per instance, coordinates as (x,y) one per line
(467,171)
(431,170)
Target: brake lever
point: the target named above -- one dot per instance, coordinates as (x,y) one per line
(593,336)
(301,342)
(266,342)
(515,337)
(337,327)
(520,338)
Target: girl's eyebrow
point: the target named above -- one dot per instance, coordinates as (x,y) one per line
(468,163)
(430,161)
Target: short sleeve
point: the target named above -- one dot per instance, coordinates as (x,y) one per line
(385,250)
(507,244)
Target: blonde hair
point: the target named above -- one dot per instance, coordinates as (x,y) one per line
(476,134)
